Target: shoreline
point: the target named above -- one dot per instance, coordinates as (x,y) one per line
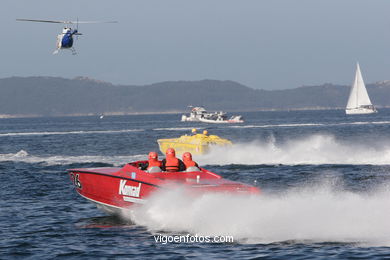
(8,116)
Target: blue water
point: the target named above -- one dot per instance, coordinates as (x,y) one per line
(325,180)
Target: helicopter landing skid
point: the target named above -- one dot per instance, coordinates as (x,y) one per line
(74,52)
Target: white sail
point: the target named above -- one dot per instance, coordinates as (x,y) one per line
(359,102)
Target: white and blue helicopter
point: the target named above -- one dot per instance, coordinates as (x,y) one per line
(65,39)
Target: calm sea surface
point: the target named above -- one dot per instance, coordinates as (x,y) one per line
(325,179)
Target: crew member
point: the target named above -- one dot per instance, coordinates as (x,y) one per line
(171,163)
(152,161)
(187,160)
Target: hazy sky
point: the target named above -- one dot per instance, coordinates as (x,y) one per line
(273,44)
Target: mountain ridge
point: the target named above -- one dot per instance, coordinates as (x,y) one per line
(56,96)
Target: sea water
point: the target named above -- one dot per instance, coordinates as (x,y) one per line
(325,181)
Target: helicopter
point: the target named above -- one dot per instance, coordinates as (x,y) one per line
(65,39)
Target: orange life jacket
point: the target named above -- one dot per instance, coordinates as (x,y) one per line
(172,164)
(189,163)
(153,163)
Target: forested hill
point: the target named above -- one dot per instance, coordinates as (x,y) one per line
(52,96)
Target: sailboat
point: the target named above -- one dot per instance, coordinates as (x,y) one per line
(359,102)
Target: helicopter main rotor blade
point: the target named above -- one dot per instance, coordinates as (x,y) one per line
(66,22)
(40,21)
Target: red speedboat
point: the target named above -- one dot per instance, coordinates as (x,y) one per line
(113,189)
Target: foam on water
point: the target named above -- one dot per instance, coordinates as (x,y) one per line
(176,129)
(312,124)
(72,132)
(312,149)
(23,156)
(320,213)
(276,125)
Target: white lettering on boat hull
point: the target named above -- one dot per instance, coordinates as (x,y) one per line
(128,190)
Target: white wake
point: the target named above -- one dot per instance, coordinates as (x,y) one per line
(71,132)
(313,149)
(188,129)
(312,124)
(318,214)
(23,156)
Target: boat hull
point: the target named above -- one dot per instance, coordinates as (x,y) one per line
(195,144)
(189,119)
(116,189)
(180,148)
(111,190)
(360,111)
(204,120)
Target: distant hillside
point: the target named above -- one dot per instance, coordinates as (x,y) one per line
(51,96)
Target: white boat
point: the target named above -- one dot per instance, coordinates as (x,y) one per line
(199,114)
(359,102)
(195,115)
(220,117)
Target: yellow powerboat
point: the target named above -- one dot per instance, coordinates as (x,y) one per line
(195,143)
